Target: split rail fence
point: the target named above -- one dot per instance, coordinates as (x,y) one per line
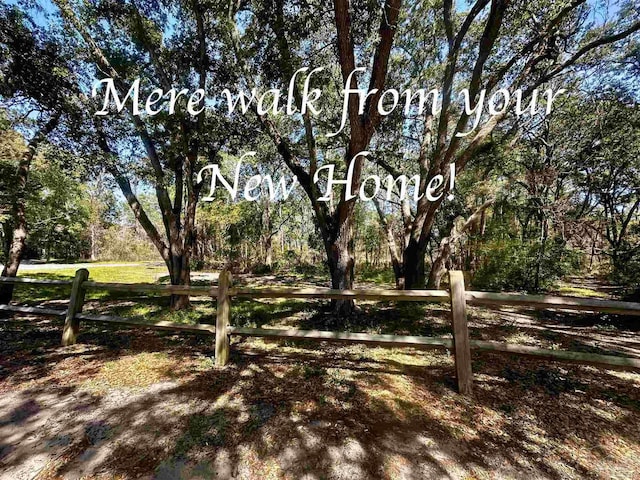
(461,345)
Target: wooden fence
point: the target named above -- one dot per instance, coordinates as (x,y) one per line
(458,298)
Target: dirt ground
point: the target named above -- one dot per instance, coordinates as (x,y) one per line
(130,403)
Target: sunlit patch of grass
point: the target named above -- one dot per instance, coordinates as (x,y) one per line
(137,273)
(138,310)
(522,338)
(396,394)
(130,274)
(408,409)
(135,371)
(383,276)
(580,292)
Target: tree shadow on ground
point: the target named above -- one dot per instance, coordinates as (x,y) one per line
(400,318)
(602,321)
(324,412)
(582,332)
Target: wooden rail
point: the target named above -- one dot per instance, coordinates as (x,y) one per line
(328,293)
(181,327)
(193,291)
(460,343)
(33,310)
(34,281)
(559,355)
(223,313)
(423,343)
(547,301)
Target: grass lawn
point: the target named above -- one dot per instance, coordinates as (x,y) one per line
(145,272)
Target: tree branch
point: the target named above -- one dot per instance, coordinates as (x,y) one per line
(135,205)
(388,26)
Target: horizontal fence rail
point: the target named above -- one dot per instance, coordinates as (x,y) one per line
(33,310)
(193,291)
(34,281)
(345,337)
(542,302)
(459,344)
(552,302)
(198,328)
(328,293)
(560,355)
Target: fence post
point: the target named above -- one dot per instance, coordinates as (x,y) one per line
(461,347)
(223,308)
(71,323)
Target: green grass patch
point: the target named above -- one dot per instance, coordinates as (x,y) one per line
(383,277)
(33,294)
(580,292)
(135,273)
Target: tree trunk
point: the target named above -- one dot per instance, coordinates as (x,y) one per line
(341,266)
(268,251)
(396,262)
(593,250)
(398,273)
(336,226)
(15,254)
(438,265)
(7,231)
(48,253)
(413,266)
(338,242)
(94,244)
(180,274)
(540,259)
(267,236)
(182,240)
(19,237)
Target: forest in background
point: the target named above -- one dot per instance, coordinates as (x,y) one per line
(537,198)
